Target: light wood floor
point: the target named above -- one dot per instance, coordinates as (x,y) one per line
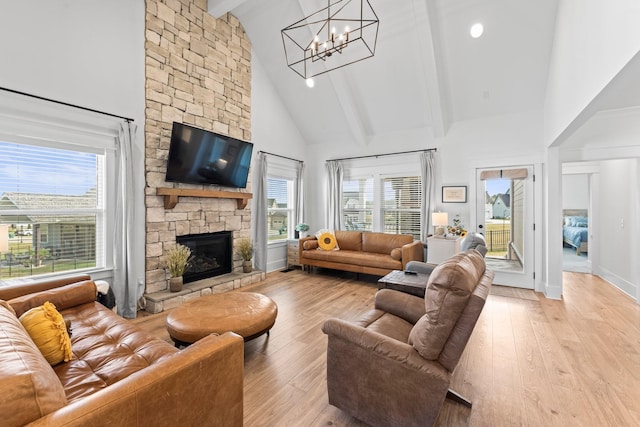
(574,362)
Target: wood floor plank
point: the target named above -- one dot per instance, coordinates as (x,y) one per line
(573,362)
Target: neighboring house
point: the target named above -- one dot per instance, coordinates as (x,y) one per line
(501,207)
(488,203)
(277,220)
(64,235)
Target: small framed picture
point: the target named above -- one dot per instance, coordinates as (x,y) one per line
(454,194)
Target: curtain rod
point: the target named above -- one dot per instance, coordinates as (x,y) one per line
(386,154)
(278,155)
(65,103)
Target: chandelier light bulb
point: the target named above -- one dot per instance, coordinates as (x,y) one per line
(476,30)
(310,82)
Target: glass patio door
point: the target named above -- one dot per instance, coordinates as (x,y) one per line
(504,215)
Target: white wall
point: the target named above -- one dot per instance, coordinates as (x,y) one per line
(273,131)
(575,191)
(89,53)
(591,45)
(616,207)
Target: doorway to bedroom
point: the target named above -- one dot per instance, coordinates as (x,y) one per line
(576,201)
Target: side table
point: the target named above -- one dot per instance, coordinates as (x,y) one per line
(293,253)
(439,249)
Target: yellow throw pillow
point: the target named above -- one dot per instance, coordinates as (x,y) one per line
(327,241)
(48,330)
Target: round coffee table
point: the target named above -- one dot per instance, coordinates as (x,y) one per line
(248,314)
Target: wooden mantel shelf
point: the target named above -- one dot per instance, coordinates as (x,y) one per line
(171,195)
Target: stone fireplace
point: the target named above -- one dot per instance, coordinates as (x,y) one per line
(211,255)
(197,72)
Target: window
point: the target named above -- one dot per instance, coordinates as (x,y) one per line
(58,175)
(51,208)
(279,208)
(401,199)
(357,196)
(386,203)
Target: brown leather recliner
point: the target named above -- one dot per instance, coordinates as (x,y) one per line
(393,366)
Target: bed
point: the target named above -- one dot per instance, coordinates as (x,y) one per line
(575,229)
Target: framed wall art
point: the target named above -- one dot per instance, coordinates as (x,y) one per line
(454,194)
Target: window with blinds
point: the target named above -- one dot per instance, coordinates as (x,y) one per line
(358,203)
(400,208)
(279,208)
(51,209)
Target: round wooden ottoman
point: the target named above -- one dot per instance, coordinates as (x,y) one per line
(248,314)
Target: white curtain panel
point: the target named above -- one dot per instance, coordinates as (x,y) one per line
(125,289)
(299,194)
(427,169)
(334,212)
(259,215)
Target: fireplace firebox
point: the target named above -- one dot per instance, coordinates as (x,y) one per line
(211,255)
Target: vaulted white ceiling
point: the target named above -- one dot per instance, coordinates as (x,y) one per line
(427,72)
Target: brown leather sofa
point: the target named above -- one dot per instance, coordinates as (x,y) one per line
(118,375)
(362,252)
(394,365)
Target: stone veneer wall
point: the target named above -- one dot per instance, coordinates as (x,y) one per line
(198,71)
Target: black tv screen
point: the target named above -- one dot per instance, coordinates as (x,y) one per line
(198,156)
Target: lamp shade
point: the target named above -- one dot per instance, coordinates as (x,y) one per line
(440,219)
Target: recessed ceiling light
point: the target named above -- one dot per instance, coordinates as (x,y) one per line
(310,82)
(476,30)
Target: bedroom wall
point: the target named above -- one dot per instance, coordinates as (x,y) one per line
(575,191)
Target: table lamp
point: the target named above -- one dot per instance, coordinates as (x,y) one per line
(440,220)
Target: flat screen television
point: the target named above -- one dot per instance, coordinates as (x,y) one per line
(197,156)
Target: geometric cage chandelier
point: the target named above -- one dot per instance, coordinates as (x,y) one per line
(344,32)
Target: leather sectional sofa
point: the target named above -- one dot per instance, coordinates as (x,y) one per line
(118,374)
(362,252)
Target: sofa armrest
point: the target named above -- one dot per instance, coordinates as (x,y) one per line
(412,252)
(420,267)
(200,385)
(408,307)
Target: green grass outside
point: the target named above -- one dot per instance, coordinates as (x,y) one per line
(19,270)
(497,227)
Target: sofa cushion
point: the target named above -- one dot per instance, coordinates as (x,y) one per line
(355,258)
(448,290)
(383,243)
(47,329)
(29,386)
(349,240)
(106,349)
